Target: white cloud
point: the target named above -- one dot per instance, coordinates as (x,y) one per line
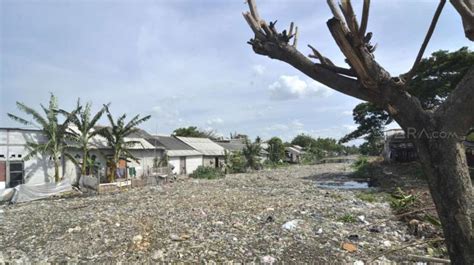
(347,112)
(214,121)
(258,69)
(350,127)
(297,124)
(292,87)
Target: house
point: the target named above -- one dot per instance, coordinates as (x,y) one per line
(238,145)
(183,158)
(213,154)
(39,169)
(293,153)
(14,170)
(397,147)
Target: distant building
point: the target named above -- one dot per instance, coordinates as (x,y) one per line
(293,153)
(397,148)
(213,154)
(183,158)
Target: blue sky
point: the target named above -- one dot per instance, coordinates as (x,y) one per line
(186,62)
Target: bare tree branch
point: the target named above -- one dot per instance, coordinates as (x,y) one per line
(317,55)
(365,18)
(253,10)
(290,31)
(351,20)
(335,11)
(465,8)
(407,77)
(295,40)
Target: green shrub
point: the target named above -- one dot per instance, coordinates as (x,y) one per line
(203,172)
(236,163)
(361,167)
(403,202)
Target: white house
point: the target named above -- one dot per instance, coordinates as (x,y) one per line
(15,170)
(183,158)
(213,154)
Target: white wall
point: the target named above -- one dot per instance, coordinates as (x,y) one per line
(146,158)
(174,161)
(192,162)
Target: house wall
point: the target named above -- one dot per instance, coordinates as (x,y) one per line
(145,164)
(192,162)
(38,169)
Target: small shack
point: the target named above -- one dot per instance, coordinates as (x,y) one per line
(397,147)
(213,154)
(293,153)
(182,157)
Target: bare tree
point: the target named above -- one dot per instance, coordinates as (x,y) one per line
(441,153)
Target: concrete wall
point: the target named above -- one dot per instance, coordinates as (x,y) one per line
(192,162)
(146,157)
(38,169)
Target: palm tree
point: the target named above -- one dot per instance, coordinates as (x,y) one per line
(115,136)
(54,131)
(84,133)
(251,153)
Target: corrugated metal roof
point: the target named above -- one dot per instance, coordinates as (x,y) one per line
(204,146)
(173,153)
(170,143)
(232,146)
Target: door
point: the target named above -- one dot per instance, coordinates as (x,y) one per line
(216,162)
(3,171)
(16,173)
(182,165)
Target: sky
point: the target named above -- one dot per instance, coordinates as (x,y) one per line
(187,63)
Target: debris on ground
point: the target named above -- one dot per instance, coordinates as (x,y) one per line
(270,216)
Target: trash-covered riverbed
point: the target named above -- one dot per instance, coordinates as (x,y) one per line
(269,216)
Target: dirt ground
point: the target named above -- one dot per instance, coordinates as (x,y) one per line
(268,216)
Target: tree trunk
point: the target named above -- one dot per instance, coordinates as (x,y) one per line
(56,168)
(84,162)
(444,163)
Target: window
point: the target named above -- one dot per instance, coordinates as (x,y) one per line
(16,174)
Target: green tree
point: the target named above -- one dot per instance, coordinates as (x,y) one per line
(84,123)
(303,140)
(116,138)
(251,153)
(276,149)
(193,131)
(55,132)
(235,162)
(435,78)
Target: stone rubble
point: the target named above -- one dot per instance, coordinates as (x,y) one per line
(271,216)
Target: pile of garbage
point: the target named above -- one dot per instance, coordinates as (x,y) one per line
(267,216)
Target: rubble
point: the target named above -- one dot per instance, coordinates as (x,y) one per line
(240,218)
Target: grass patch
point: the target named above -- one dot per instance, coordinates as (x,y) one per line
(347,218)
(367,196)
(203,172)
